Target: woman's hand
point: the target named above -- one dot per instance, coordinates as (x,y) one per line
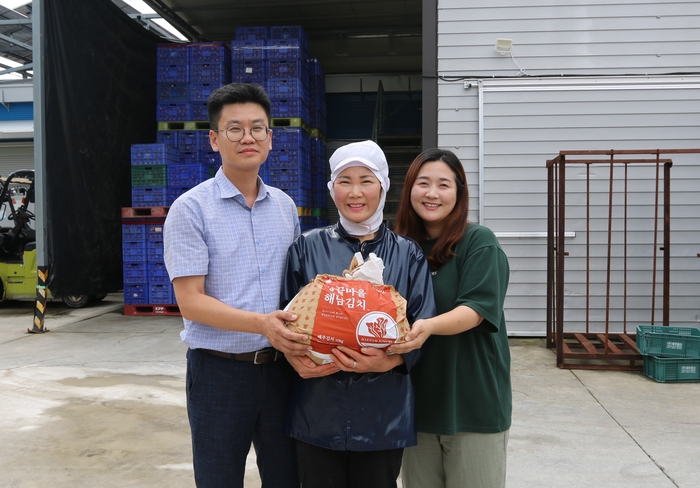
(369,359)
(419,333)
(308,369)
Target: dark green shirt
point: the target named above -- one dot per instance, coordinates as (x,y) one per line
(462,383)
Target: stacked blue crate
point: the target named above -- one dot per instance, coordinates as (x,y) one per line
(134,257)
(173,78)
(210,159)
(248,55)
(318,172)
(210,68)
(317,95)
(289,164)
(148,166)
(287,85)
(160,289)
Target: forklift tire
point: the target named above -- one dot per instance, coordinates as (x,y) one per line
(76,301)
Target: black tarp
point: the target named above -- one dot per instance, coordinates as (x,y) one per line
(99,98)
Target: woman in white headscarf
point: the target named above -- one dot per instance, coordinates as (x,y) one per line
(352,418)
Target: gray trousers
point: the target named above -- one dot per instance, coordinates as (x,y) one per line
(463,460)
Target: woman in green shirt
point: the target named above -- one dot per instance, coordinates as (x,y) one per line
(462,383)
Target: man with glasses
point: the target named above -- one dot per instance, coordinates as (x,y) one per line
(226,242)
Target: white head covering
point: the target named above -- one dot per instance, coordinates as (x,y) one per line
(371,156)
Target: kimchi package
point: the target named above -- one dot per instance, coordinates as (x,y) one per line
(334,310)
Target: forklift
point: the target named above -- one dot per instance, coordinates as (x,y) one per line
(18,276)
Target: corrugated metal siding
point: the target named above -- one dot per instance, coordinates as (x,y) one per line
(524,123)
(568,37)
(16,155)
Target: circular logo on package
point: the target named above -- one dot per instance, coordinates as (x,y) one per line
(376,329)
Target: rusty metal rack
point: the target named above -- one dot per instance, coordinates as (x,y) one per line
(603,348)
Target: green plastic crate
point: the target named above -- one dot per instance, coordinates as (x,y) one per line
(655,340)
(155,175)
(672,370)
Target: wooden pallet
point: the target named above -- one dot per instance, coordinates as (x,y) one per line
(149,309)
(592,351)
(144,212)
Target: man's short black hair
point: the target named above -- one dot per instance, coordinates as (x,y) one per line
(235,93)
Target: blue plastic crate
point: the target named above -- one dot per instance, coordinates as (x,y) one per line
(317,119)
(288,32)
(211,73)
(175,191)
(299,195)
(160,293)
(209,158)
(169,137)
(209,52)
(133,232)
(189,140)
(134,250)
(135,272)
(173,92)
(199,92)
(289,178)
(249,71)
(286,88)
(251,33)
(146,196)
(290,108)
(182,175)
(286,68)
(173,111)
(249,49)
(171,73)
(172,54)
(291,137)
(198,111)
(289,158)
(157,273)
(135,293)
(320,198)
(158,153)
(154,250)
(315,69)
(286,49)
(154,232)
(189,157)
(204,141)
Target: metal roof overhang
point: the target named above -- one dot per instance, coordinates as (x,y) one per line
(347,36)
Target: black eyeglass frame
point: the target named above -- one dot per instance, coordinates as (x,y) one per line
(243,129)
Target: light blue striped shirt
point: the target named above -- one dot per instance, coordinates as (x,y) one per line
(210,231)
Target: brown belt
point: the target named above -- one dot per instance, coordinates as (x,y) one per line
(262,356)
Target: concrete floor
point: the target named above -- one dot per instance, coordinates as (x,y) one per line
(99,402)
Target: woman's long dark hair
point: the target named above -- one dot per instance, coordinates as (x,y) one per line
(411,225)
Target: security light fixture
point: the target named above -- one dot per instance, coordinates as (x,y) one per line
(504,46)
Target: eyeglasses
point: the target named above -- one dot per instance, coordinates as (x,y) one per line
(236,134)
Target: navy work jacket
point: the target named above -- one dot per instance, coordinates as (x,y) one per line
(358,411)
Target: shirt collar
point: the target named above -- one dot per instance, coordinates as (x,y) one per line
(229,190)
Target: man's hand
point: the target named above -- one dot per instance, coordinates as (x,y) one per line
(308,369)
(273,327)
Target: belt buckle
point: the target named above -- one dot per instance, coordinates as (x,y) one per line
(255,358)
(263,351)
